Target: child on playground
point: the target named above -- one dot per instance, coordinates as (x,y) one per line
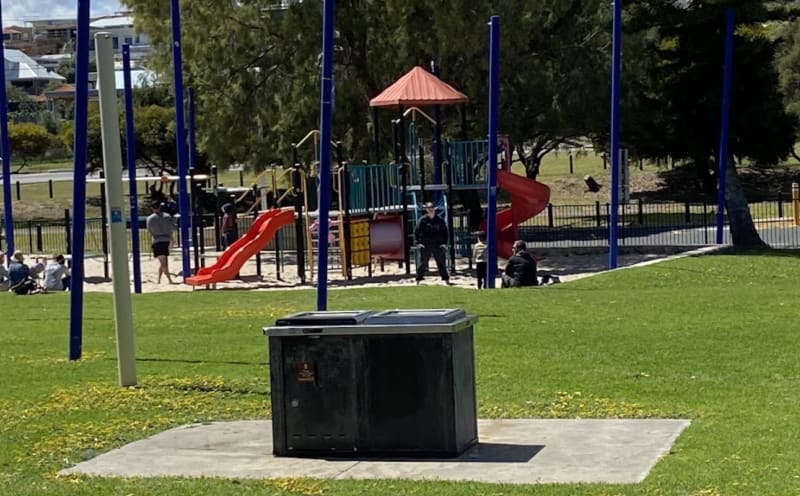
(479,256)
(230,230)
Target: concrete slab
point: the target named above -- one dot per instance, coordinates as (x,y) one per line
(510,451)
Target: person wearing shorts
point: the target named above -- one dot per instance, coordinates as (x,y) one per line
(161,225)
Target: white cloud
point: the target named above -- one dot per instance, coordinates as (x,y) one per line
(15,12)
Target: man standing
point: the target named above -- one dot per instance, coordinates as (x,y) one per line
(521,268)
(431,239)
(161,225)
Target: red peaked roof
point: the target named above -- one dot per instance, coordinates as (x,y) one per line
(418,88)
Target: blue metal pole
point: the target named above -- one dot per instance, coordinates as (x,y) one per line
(180,137)
(130,140)
(616,82)
(6,152)
(326,111)
(494,118)
(722,159)
(437,138)
(79,180)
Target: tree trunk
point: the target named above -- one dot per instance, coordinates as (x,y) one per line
(743,231)
(533,165)
(706,180)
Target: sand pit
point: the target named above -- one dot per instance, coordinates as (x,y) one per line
(567,267)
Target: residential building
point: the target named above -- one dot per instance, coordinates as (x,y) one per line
(122,32)
(52,36)
(22,71)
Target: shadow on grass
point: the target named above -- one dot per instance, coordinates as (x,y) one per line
(758,252)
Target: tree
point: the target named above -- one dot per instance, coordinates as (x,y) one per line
(674,93)
(155,138)
(94,149)
(787,62)
(27,141)
(66,68)
(256,68)
(21,106)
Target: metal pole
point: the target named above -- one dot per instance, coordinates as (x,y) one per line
(196,218)
(326,118)
(722,159)
(217,227)
(180,137)
(494,116)
(130,134)
(79,180)
(299,228)
(450,233)
(112,158)
(616,81)
(6,152)
(437,137)
(376,136)
(398,157)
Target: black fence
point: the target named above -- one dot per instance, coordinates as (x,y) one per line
(559,226)
(655,224)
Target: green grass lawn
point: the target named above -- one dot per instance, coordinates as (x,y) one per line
(712,339)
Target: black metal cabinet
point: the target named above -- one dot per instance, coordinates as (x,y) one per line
(398,383)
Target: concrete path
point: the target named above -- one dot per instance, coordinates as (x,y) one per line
(511,451)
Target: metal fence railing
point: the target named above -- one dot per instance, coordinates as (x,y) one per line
(654,224)
(563,226)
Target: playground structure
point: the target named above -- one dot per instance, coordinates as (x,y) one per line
(376,207)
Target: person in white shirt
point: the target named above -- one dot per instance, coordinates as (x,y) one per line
(56,275)
(3,272)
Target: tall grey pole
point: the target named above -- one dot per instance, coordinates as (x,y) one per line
(112,158)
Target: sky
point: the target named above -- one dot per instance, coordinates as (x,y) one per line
(15,12)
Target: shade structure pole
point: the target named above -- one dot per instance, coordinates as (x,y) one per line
(494,118)
(326,118)
(722,159)
(80,149)
(616,82)
(180,138)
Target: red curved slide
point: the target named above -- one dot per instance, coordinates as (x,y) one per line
(528,199)
(232,259)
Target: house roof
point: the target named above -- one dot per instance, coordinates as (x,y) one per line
(20,67)
(139,78)
(418,87)
(112,22)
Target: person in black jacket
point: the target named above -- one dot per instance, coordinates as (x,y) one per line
(431,239)
(521,268)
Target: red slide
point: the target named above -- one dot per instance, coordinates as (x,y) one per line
(232,259)
(528,199)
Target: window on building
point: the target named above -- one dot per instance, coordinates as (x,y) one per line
(115,43)
(128,40)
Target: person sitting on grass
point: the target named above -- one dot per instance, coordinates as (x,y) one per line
(3,272)
(19,276)
(56,275)
(520,270)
